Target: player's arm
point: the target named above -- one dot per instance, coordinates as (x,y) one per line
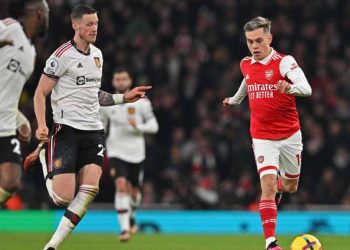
(3,40)
(45,86)
(150,124)
(23,127)
(290,69)
(238,97)
(107,99)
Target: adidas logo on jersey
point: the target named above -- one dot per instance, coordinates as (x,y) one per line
(21,48)
(79,65)
(247,77)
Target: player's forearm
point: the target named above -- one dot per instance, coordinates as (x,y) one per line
(40,108)
(107,99)
(240,94)
(302,90)
(149,127)
(301,86)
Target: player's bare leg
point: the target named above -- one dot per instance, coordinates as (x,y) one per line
(10,175)
(268,210)
(285,185)
(122,207)
(89,177)
(135,202)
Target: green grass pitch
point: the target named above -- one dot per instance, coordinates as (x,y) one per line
(77,241)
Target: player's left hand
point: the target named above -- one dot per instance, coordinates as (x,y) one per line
(132,122)
(5,42)
(24,133)
(283,86)
(136,93)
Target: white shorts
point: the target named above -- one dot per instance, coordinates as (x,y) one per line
(282,155)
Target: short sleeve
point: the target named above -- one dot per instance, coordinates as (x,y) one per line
(288,64)
(55,67)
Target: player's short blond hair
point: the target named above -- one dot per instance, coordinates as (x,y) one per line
(258,22)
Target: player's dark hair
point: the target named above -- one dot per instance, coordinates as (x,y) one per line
(121,70)
(17,8)
(80,10)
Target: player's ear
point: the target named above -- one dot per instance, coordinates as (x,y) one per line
(270,38)
(75,25)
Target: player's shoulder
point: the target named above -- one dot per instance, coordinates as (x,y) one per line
(145,103)
(277,55)
(284,58)
(245,61)
(62,50)
(10,23)
(94,49)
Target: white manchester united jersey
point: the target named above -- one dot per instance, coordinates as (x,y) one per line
(125,141)
(74,98)
(16,66)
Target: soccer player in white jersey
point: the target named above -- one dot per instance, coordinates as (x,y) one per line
(17,58)
(73,74)
(125,146)
(272,81)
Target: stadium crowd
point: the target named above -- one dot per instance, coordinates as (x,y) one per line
(190,52)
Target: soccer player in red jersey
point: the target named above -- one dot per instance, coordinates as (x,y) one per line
(271,81)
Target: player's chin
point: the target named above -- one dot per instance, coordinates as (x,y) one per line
(92,39)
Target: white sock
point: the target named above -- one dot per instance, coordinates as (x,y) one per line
(4,196)
(135,204)
(63,230)
(122,205)
(75,211)
(269,241)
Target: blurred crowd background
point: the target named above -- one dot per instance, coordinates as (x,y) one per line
(190,52)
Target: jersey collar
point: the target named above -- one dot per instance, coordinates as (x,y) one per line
(266,60)
(80,51)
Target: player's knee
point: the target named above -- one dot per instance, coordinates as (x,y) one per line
(268,187)
(121,185)
(292,188)
(62,199)
(10,182)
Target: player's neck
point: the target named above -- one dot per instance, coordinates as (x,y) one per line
(28,28)
(81,45)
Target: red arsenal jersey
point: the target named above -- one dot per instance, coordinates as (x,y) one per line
(273,115)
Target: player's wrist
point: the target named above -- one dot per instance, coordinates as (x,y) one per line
(119,98)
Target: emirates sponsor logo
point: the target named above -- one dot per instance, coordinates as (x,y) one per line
(261,90)
(269,74)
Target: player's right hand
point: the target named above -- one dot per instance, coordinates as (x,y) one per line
(226,102)
(42,133)
(5,42)
(136,93)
